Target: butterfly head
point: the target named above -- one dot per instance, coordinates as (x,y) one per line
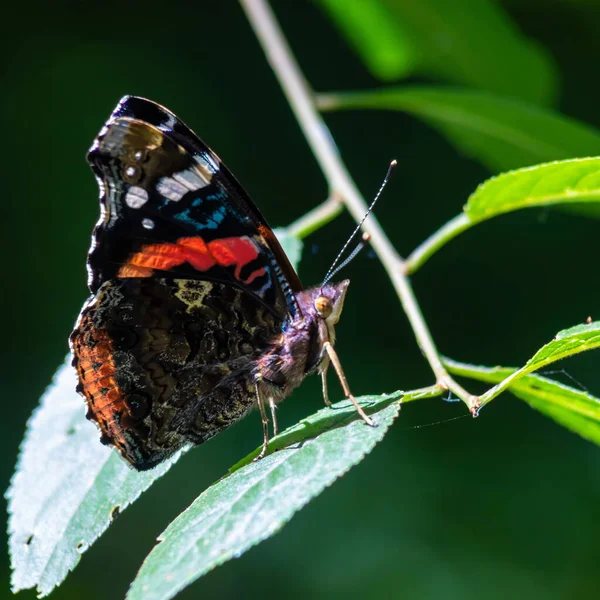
(324,303)
(328,301)
(321,308)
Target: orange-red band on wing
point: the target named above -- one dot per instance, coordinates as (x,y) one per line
(255,274)
(238,251)
(96,369)
(133,271)
(197,253)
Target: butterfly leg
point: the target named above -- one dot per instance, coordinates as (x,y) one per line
(273,408)
(323,371)
(265,422)
(335,361)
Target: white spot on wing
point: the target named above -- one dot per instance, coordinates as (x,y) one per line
(171,189)
(148,223)
(175,187)
(191,179)
(136,197)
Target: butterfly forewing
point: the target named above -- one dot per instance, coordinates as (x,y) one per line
(169,204)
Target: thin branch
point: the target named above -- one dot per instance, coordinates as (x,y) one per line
(437,240)
(316,218)
(422,393)
(301,99)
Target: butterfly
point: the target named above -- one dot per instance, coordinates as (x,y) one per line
(196,316)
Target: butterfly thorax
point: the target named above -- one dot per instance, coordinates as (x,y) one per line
(298,350)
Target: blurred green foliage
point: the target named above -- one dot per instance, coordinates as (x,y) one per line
(502,505)
(499,132)
(471,42)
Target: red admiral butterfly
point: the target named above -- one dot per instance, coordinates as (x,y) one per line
(196,314)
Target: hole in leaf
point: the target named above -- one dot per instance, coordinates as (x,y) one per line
(80,546)
(115,512)
(29,540)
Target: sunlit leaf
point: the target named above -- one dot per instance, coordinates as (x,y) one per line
(566,343)
(570,182)
(66,490)
(577,410)
(469,42)
(259,498)
(501,133)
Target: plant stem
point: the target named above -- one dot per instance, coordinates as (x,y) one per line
(317,217)
(427,392)
(301,99)
(437,240)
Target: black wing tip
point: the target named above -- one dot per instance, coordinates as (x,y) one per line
(129,102)
(133,107)
(143,109)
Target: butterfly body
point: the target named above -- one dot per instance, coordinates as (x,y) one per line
(195,315)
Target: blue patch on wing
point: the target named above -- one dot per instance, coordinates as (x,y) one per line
(212,221)
(218,196)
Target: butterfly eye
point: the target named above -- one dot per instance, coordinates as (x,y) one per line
(323,306)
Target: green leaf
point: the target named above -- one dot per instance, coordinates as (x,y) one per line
(291,244)
(576,410)
(258,498)
(570,182)
(567,342)
(469,42)
(501,133)
(66,490)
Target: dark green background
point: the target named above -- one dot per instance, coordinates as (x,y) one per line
(503,505)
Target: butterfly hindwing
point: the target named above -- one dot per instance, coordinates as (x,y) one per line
(167,362)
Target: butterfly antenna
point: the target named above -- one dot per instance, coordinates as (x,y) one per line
(333,270)
(365,240)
